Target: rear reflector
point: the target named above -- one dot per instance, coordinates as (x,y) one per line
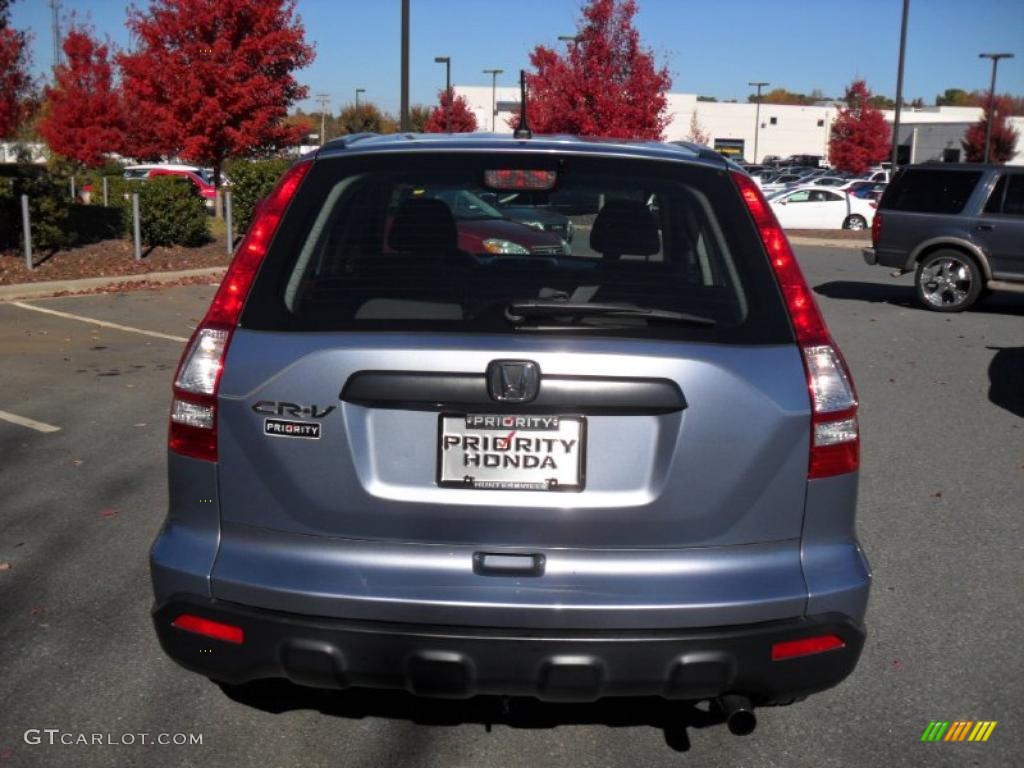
(835,436)
(193,423)
(215,629)
(806,646)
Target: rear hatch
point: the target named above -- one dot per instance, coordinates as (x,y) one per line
(641,390)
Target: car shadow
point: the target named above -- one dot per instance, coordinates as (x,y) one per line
(672,717)
(1006,379)
(1000,303)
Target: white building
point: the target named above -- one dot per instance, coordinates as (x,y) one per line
(782,130)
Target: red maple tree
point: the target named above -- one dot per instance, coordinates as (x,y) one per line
(15,82)
(1004,136)
(606,84)
(213,78)
(82,116)
(463,118)
(860,137)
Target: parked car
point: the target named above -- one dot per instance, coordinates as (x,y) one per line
(810,207)
(782,181)
(534,210)
(958,227)
(876,174)
(830,181)
(621,473)
(482,228)
(203,186)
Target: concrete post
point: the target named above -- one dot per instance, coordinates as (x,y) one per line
(228,222)
(106,198)
(136,228)
(72,182)
(27,231)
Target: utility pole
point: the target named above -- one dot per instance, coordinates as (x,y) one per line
(494,88)
(403,114)
(899,86)
(55,24)
(323,99)
(447,61)
(757,115)
(358,91)
(991,97)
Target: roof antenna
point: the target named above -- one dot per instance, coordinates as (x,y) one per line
(523,129)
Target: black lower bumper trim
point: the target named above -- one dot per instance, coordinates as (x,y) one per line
(459,662)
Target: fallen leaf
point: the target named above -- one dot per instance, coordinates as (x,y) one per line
(5,754)
(109,512)
(5,566)
(37,609)
(140,424)
(897,665)
(937,495)
(76,462)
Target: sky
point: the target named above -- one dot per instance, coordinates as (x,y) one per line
(710,48)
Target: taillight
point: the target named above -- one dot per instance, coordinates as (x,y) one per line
(193,427)
(876,229)
(835,435)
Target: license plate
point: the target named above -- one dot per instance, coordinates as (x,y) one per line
(511,453)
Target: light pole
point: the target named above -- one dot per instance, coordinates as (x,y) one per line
(403,112)
(494,88)
(447,61)
(899,86)
(358,91)
(991,95)
(323,99)
(757,114)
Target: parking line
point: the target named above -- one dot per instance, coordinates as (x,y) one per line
(38,426)
(101,323)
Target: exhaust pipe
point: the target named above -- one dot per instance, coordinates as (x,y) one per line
(739,714)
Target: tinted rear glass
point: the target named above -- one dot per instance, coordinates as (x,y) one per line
(930,191)
(416,242)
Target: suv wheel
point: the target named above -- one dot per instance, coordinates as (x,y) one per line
(948,281)
(856,221)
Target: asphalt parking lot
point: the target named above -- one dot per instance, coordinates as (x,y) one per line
(942,484)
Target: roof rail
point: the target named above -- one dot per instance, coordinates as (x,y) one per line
(699,149)
(351,138)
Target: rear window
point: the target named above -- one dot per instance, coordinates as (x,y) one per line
(418,243)
(918,190)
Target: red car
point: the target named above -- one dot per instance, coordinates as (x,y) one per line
(482,228)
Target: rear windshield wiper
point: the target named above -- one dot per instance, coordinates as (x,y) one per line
(518,311)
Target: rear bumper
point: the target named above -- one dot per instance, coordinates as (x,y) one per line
(458,662)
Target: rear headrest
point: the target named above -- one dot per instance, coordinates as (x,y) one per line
(424,225)
(625,227)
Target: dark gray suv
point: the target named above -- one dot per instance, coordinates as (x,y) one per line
(627,467)
(959,228)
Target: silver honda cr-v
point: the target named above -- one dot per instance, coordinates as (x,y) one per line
(417,444)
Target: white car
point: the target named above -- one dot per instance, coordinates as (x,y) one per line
(811,207)
(875,174)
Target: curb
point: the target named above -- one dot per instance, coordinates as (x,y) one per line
(49,288)
(830,243)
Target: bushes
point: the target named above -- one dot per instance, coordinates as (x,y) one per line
(251,181)
(48,205)
(171,211)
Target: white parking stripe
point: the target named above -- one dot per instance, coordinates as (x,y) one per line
(21,421)
(101,323)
